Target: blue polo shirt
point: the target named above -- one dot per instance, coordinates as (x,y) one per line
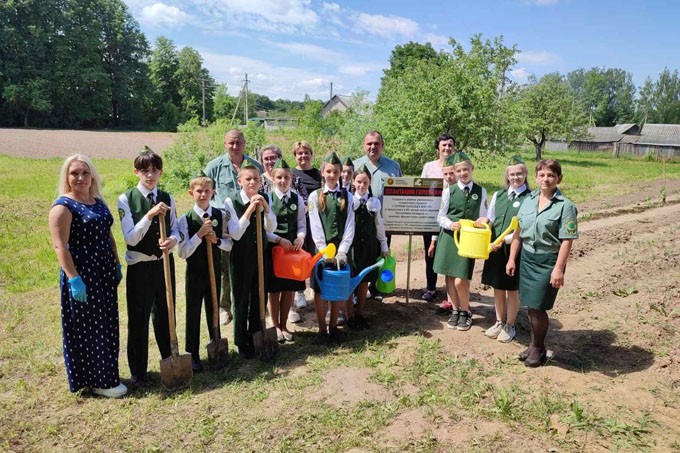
(386,167)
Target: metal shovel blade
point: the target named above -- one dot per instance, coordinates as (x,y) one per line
(176,371)
(266,344)
(218,353)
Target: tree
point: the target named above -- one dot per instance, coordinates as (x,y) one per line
(458,92)
(403,57)
(223,104)
(659,100)
(548,110)
(30,96)
(163,66)
(194,84)
(606,94)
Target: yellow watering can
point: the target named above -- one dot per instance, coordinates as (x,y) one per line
(476,242)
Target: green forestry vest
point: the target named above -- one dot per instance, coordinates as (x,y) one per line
(462,206)
(199,259)
(248,241)
(286,215)
(139,206)
(333,219)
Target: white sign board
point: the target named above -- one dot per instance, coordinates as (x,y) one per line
(410,205)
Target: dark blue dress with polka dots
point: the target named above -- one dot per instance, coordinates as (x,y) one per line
(90,329)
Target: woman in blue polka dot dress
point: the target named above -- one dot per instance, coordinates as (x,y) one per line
(80,226)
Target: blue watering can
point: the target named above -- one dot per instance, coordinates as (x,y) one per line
(336,284)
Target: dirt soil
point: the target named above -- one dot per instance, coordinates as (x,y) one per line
(613,333)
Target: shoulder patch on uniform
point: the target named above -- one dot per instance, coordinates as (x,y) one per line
(121,213)
(311,206)
(571,226)
(227,215)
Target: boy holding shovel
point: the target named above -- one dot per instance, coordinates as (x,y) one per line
(202,222)
(139,209)
(243,266)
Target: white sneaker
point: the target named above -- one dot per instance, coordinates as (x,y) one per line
(507,334)
(300,299)
(115,392)
(294,316)
(495,330)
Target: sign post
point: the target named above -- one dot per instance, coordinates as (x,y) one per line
(410,206)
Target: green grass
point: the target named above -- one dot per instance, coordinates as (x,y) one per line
(255,406)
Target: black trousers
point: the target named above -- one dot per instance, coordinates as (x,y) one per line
(198,294)
(246,298)
(145,287)
(430,274)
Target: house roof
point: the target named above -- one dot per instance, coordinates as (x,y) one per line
(604,134)
(660,134)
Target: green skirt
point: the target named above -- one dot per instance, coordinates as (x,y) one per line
(447,261)
(535,290)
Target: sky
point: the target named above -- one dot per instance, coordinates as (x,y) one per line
(290,48)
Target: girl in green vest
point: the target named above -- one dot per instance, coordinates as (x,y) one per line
(369,233)
(503,207)
(291,229)
(331,220)
(463,199)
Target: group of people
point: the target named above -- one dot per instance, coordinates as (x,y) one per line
(299,208)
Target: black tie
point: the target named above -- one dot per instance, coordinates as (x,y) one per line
(513,194)
(467,191)
(150,198)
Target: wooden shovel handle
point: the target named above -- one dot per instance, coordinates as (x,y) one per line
(168,288)
(260,262)
(213,284)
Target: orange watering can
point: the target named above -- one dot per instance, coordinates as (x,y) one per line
(476,242)
(297,265)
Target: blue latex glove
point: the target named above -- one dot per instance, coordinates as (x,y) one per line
(77,288)
(119,273)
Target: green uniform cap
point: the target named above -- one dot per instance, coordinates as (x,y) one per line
(457,158)
(348,162)
(364,169)
(145,149)
(248,164)
(332,158)
(516,160)
(280,163)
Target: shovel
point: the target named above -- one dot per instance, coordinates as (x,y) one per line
(218,348)
(265,340)
(176,370)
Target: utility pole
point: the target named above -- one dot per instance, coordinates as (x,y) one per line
(331,92)
(245,103)
(203,96)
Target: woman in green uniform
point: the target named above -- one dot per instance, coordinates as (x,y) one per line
(547,227)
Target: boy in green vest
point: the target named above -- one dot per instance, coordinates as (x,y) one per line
(463,199)
(139,209)
(201,222)
(240,208)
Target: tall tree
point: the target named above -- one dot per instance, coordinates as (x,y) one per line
(223,103)
(194,85)
(659,100)
(548,111)
(460,92)
(606,94)
(163,65)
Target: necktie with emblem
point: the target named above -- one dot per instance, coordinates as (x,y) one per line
(467,191)
(513,195)
(150,198)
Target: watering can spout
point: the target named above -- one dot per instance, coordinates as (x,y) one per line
(354,282)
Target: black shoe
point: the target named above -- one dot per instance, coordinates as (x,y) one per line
(464,320)
(452,323)
(246,352)
(321,338)
(362,322)
(522,356)
(335,335)
(196,365)
(137,382)
(539,361)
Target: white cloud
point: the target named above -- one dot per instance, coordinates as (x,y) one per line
(309,50)
(360,69)
(520,75)
(439,42)
(386,26)
(537,57)
(265,14)
(332,7)
(161,15)
(273,81)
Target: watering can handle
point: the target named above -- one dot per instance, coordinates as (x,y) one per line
(316,273)
(514,224)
